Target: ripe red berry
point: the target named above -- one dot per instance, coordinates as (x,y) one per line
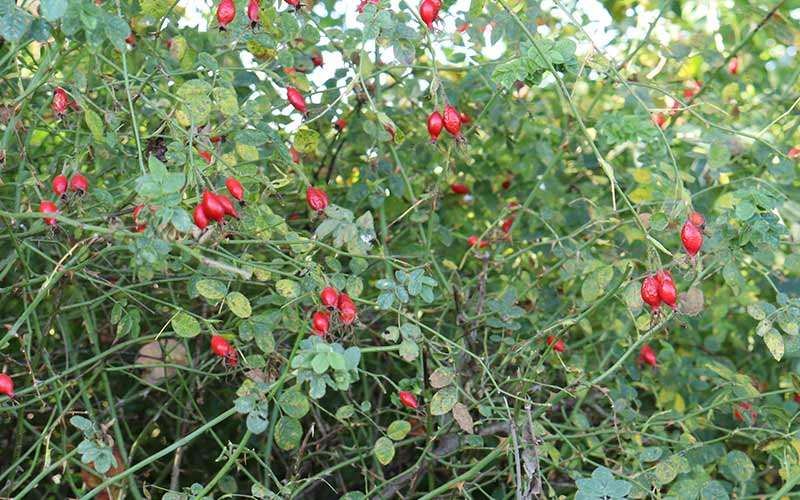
(744,407)
(435,124)
(794,153)
(296,99)
(649,292)
(212,207)
(506,184)
(227,206)
(131,39)
(465,118)
(200,219)
(668,293)
(60,101)
(226,12)
(473,240)
(452,120)
(692,238)
(220,346)
(293,3)
(235,188)
(140,226)
(320,322)
(647,355)
(347,309)
(206,156)
(558,344)
(6,385)
(216,139)
(329,297)
(295,154)
(253,12)
(459,188)
(659,119)
(48,207)
(697,219)
(317,198)
(408,400)
(662,276)
(78,183)
(692,89)
(60,185)
(429,12)
(316,59)
(506,227)
(340,124)
(733,66)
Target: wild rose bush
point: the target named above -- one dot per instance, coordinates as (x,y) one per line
(392,250)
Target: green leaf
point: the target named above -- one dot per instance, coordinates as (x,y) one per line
(53,10)
(409,350)
(213,290)
(239,304)
(384,450)
(398,429)
(306,140)
(774,341)
(294,403)
(288,288)
(320,363)
(257,422)
(195,102)
(185,325)
(444,400)
(116,30)
(84,424)
(288,433)
(737,467)
(476,7)
(345,412)
(14,24)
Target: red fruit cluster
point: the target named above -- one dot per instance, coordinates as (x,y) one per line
(223,349)
(296,99)
(408,399)
(558,344)
(429,12)
(77,184)
(457,188)
(647,355)
(340,303)
(226,12)
(659,288)
(317,199)
(214,207)
(450,120)
(6,385)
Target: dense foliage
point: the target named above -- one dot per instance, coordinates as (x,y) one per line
(386,315)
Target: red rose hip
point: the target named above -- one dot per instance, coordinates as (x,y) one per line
(235,188)
(649,292)
(6,385)
(408,400)
(435,125)
(317,198)
(60,185)
(329,297)
(226,12)
(692,238)
(320,322)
